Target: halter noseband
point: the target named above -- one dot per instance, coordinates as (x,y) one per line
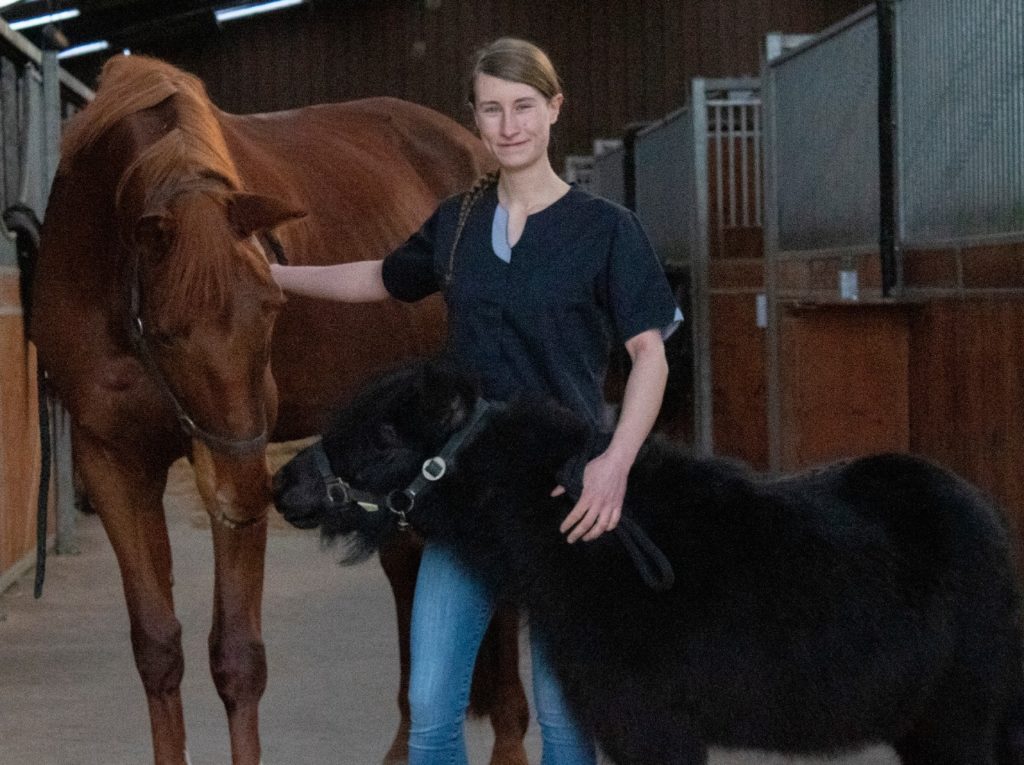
(400,502)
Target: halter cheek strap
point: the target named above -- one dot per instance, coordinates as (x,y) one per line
(137,338)
(400,502)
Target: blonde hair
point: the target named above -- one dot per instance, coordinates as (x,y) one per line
(515,60)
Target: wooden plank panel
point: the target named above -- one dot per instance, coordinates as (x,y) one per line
(843,375)
(622,60)
(966,389)
(19,434)
(739,380)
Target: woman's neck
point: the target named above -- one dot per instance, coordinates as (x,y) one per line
(531,188)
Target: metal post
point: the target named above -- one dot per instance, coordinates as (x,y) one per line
(700,279)
(771,282)
(889,235)
(51,116)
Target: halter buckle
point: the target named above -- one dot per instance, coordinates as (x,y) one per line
(434,468)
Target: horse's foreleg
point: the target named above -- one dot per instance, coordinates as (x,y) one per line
(400,559)
(128,499)
(237,495)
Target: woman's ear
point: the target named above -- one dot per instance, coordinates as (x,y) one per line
(555,105)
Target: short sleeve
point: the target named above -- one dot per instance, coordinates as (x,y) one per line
(408,272)
(639,293)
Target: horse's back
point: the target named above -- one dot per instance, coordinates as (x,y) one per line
(369,173)
(382,164)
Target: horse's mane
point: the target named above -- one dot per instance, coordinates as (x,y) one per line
(191,157)
(131,84)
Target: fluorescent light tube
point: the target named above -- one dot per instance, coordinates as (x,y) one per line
(49,18)
(81,50)
(241,11)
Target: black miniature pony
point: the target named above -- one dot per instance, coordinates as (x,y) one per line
(872,601)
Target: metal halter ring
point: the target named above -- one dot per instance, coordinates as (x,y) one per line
(400,502)
(337,492)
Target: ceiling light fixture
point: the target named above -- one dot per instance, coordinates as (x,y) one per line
(82,50)
(241,11)
(6,3)
(49,18)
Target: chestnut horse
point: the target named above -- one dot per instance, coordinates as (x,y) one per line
(164,334)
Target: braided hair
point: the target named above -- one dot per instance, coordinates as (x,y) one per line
(470,198)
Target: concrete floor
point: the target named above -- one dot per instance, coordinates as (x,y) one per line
(69,694)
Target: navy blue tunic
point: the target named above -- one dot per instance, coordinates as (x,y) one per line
(582,276)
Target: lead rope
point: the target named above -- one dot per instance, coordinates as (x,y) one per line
(648,559)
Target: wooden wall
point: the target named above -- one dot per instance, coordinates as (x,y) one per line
(621,60)
(19,429)
(843,371)
(939,373)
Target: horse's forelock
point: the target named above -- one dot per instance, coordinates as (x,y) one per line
(206,258)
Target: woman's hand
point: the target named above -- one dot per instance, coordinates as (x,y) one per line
(600,504)
(604,479)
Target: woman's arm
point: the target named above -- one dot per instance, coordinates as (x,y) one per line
(358,282)
(604,479)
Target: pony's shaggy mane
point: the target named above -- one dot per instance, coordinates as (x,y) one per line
(191,161)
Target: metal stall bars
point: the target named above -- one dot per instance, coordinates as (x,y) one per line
(698,190)
(35,94)
(960,123)
(608,171)
(821,228)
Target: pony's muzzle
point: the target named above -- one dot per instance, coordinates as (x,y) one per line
(300,507)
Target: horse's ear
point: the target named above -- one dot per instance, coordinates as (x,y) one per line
(154,232)
(249,213)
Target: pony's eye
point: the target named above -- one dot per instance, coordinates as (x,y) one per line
(387,434)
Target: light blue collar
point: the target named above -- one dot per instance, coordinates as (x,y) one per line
(499,234)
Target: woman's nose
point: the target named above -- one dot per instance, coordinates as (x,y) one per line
(508,125)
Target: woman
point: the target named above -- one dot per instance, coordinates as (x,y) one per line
(538,276)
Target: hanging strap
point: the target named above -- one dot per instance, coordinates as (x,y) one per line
(650,562)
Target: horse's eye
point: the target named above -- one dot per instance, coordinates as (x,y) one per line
(161,338)
(388,435)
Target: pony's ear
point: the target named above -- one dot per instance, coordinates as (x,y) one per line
(154,233)
(249,213)
(441,399)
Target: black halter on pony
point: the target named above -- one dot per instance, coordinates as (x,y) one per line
(650,562)
(400,502)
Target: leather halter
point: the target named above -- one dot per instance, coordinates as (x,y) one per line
(400,502)
(137,338)
(650,562)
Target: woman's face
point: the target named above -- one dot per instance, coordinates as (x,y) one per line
(514,120)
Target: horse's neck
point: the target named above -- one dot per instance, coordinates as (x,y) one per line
(92,258)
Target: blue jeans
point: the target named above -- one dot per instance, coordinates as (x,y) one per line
(450,613)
